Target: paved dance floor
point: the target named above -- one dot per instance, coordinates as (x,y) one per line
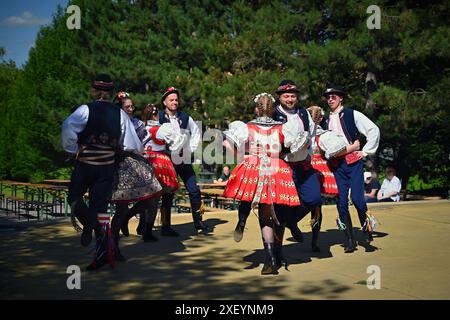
(411,255)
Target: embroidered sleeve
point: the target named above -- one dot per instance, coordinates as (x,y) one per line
(237,133)
(175,140)
(331,143)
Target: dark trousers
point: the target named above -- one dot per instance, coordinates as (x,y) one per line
(98,180)
(308,186)
(187,174)
(350,177)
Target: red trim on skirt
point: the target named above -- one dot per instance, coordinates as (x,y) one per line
(243,182)
(326,177)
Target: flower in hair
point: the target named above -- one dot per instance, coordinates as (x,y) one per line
(264,94)
(122,95)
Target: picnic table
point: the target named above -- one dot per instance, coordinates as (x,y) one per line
(58,182)
(216,196)
(35,197)
(207,185)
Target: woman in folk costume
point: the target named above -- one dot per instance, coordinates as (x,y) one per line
(156,141)
(135,180)
(328,186)
(263,179)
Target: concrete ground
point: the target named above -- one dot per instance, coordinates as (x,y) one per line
(411,249)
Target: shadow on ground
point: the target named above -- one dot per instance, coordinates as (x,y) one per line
(34,261)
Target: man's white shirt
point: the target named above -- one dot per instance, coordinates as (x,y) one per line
(77,121)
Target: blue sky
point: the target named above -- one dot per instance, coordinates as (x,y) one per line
(20,21)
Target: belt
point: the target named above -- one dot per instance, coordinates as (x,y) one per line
(96,155)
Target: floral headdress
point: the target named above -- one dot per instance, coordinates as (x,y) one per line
(264,94)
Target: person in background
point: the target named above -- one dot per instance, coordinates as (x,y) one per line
(225,175)
(159,140)
(123,213)
(371,187)
(390,189)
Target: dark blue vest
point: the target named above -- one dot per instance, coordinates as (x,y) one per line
(347,119)
(302,112)
(182,117)
(103,126)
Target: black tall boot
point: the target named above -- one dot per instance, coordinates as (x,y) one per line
(81,211)
(297,213)
(350,243)
(117,253)
(197,217)
(316,224)
(243,212)
(101,251)
(124,215)
(366,227)
(115,231)
(166,229)
(150,217)
(278,246)
(140,229)
(270,264)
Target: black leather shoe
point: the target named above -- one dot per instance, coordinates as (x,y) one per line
(368,237)
(200,225)
(350,246)
(296,233)
(280,260)
(167,231)
(118,256)
(97,263)
(140,229)
(86,236)
(148,234)
(239,231)
(149,237)
(315,248)
(124,229)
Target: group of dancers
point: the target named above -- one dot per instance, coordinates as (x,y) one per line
(292,156)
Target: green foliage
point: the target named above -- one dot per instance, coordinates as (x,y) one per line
(221,53)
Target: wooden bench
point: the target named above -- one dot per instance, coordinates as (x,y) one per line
(187,206)
(18,204)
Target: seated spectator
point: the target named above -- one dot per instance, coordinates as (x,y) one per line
(225,175)
(371,187)
(390,189)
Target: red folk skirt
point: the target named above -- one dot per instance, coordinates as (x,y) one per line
(278,185)
(327,181)
(164,170)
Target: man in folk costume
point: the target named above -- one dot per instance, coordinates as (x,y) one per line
(348,169)
(305,178)
(92,134)
(183,123)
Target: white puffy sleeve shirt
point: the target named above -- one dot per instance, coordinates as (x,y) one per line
(77,121)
